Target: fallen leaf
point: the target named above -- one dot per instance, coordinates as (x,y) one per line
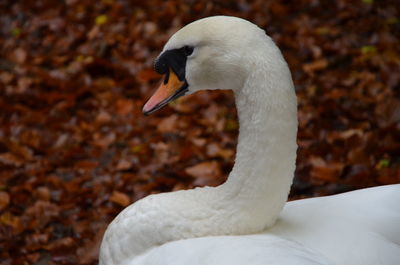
(104,140)
(147,75)
(43,193)
(206,173)
(6,77)
(10,160)
(120,198)
(124,107)
(102,19)
(123,165)
(7,219)
(62,243)
(19,55)
(314,66)
(4,200)
(103,117)
(168,124)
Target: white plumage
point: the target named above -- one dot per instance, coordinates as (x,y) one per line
(360,227)
(235,223)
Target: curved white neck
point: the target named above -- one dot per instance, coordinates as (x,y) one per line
(266,152)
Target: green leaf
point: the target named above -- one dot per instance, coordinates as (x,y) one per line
(136,148)
(16,32)
(383,163)
(392,20)
(368,49)
(368,1)
(231,125)
(102,19)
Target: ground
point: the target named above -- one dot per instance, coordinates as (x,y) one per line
(75,148)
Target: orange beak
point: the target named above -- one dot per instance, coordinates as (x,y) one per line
(169,90)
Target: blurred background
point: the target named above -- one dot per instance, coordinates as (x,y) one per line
(75,148)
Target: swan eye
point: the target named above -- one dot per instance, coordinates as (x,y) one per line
(160,66)
(188,50)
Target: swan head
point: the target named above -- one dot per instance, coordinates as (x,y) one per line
(211,53)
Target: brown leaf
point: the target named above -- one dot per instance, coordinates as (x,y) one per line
(147,75)
(317,65)
(200,142)
(324,173)
(43,193)
(168,124)
(120,198)
(103,117)
(10,160)
(19,55)
(104,140)
(94,31)
(124,107)
(19,150)
(4,200)
(349,133)
(37,240)
(33,258)
(388,111)
(206,173)
(61,140)
(215,150)
(86,165)
(24,83)
(123,165)
(357,156)
(6,77)
(62,243)
(41,213)
(89,252)
(7,219)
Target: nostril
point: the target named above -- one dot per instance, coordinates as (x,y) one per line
(166,78)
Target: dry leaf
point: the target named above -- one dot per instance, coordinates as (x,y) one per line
(206,173)
(120,198)
(124,107)
(19,55)
(123,165)
(10,160)
(168,124)
(4,200)
(317,65)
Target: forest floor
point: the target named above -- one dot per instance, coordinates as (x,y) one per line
(75,148)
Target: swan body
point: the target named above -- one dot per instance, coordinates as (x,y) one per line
(204,225)
(360,227)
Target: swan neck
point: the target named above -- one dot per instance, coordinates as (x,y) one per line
(266,151)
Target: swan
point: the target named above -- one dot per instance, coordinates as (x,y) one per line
(247,220)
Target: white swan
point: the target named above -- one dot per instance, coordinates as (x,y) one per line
(236,223)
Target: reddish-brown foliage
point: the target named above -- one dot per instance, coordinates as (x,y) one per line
(75,148)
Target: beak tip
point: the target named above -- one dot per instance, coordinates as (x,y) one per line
(148,107)
(146,111)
